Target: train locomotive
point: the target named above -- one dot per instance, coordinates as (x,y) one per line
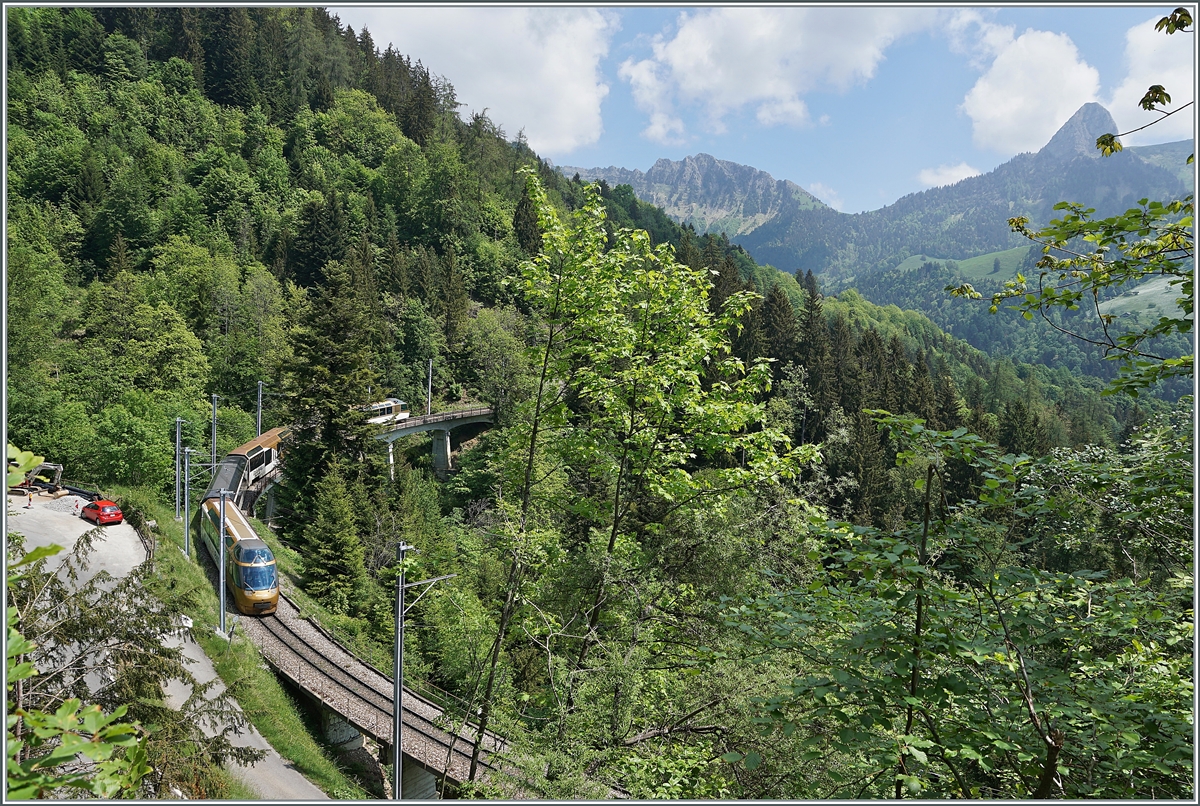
(250,571)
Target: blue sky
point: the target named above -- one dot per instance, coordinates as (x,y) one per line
(858,105)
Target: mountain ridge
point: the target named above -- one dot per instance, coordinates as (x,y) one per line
(780,223)
(710,194)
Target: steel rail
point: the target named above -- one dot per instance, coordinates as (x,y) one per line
(353,690)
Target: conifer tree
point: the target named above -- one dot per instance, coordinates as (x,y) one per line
(228,73)
(922,400)
(395,261)
(779,326)
(424,275)
(185,30)
(901,374)
(750,343)
(727,282)
(841,368)
(812,350)
(335,569)
(305,257)
(870,468)
(455,303)
(333,232)
(83,41)
(418,112)
(525,226)
(947,398)
(333,377)
(877,387)
(688,253)
(1016,428)
(810,285)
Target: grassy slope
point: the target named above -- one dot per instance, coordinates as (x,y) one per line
(1153,298)
(980,267)
(184,583)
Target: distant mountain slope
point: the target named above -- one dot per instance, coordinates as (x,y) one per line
(971,217)
(710,194)
(1172,156)
(780,223)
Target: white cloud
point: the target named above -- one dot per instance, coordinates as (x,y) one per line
(651,94)
(972,34)
(1034,85)
(724,59)
(790,110)
(1154,57)
(826,194)
(946,174)
(531,68)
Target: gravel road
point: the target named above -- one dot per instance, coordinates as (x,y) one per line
(118,552)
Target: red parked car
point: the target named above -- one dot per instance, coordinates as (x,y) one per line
(101,512)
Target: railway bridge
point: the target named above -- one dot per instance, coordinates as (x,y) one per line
(356,701)
(442,423)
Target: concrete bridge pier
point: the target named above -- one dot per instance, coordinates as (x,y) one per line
(441,453)
(418,783)
(355,750)
(340,733)
(439,425)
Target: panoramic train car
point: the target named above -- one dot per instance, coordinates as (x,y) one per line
(261,455)
(387,411)
(250,573)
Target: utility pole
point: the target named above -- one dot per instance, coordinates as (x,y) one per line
(398,676)
(258,420)
(178,422)
(429,390)
(187,480)
(398,681)
(221,562)
(214,434)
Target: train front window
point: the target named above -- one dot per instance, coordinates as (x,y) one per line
(257,577)
(251,555)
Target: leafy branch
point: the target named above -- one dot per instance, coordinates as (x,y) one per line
(1152,240)
(1178,20)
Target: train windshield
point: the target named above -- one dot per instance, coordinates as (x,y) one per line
(252,555)
(257,577)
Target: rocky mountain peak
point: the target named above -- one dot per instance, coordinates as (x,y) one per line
(711,194)
(1077,137)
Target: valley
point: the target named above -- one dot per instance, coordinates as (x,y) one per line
(746,503)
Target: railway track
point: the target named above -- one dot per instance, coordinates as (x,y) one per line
(362,695)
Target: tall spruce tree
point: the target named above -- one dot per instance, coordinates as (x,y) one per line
(454,302)
(779,327)
(229,75)
(335,571)
(812,350)
(333,377)
(841,368)
(525,226)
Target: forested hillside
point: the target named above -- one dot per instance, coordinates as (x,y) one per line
(780,224)
(971,216)
(729,537)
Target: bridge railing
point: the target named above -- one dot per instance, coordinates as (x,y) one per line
(436,417)
(442,416)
